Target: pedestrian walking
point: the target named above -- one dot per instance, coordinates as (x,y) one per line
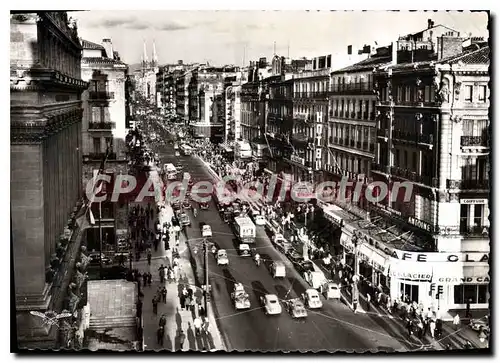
(205,325)
(145,279)
(182,338)
(456,321)
(150,278)
(197,325)
(432,327)
(164,294)
(161,271)
(187,302)
(163,321)
(160,333)
(182,301)
(355,305)
(467,309)
(155,306)
(368,300)
(149,256)
(409,327)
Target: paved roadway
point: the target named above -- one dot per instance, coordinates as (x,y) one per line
(333,327)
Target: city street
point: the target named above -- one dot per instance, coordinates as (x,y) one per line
(333,327)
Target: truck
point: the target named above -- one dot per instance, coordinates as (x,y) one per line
(171,171)
(245,229)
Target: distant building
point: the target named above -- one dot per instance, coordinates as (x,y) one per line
(146,76)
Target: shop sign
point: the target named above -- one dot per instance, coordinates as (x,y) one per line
(297,159)
(333,218)
(420,224)
(474,201)
(386,210)
(464,280)
(416,276)
(434,256)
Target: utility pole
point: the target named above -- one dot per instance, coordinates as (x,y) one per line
(355,278)
(205,244)
(100,241)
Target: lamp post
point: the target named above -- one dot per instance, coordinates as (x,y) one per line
(355,278)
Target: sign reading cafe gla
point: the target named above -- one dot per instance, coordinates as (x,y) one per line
(438,256)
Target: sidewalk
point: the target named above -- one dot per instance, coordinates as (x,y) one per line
(176,317)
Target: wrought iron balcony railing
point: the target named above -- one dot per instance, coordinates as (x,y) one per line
(473,141)
(413,176)
(468,184)
(352,88)
(102,125)
(101,95)
(100,156)
(310,95)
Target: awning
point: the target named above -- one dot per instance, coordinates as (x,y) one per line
(411,271)
(346,242)
(456,274)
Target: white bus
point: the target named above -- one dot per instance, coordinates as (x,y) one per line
(242,150)
(171,171)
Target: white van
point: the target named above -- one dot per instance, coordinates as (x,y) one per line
(278,269)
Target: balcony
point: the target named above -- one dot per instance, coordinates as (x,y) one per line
(100,156)
(383,133)
(302,117)
(101,95)
(372,116)
(468,184)
(336,113)
(380,168)
(365,115)
(353,114)
(352,88)
(301,138)
(310,95)
(102,125)
(466,141)
(413,176)
(404,135)
(358,144)
(425,139)
(372,148)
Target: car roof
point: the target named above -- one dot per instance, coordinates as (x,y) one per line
(271,297)
(311,291)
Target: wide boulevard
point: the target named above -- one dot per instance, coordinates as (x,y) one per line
(332,327)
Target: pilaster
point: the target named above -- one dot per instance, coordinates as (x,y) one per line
(445,135)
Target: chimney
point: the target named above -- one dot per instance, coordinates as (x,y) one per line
(394,59)
(449,46)
(349,49)
(108,46)
(430,23)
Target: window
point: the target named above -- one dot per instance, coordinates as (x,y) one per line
(109,143)
(407,94)
(482,94)
(468,128)
(96,114)
(399,97)
(423,209)
(482,128)
(427,94)
(475,294)
(97,144)
(464,216)
(478,215)
(396,157)
(408,292)
(414,162)
(405,159)
(468,93)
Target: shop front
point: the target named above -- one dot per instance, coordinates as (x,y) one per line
(456,284)
(410,281)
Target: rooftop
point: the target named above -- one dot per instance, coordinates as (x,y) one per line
(86,44)
(102,60)
(366,64)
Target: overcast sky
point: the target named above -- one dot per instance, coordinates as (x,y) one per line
(220,37)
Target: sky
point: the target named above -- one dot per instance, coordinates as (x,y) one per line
(231,37)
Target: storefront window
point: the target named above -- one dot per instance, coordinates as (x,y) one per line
(476,293)
(410,291)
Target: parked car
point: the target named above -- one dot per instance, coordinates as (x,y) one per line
(278,269)
(271,304)
(331,290)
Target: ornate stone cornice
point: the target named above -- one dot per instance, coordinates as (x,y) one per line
(37,77)
(31,125)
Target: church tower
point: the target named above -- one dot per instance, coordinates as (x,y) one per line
(154,60)
(144,60)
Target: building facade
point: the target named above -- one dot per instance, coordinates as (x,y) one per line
(350,134)
(146,76)
(232,122)
(46,170)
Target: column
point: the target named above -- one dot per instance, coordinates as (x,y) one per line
(419,162)
(52,167)
(444,147)
(470,215)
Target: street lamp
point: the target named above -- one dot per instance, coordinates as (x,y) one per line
(355,278)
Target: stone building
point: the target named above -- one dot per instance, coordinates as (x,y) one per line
(350,133)
(46,171)
(432,130)
(104,125)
